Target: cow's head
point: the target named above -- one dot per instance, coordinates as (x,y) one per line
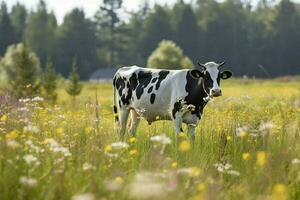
(211,77)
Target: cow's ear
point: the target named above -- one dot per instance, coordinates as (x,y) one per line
(195,73)
(226,74)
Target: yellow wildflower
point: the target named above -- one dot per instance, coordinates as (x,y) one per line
(279,192)
(88,130)
(119,180)
(228,138)
(246,156)
(174,164)
(133,152)
(3,118)
(185,146)
(201,187)
(60,131)
(196,172)
(12,135)
(261,158)
(108,148)
(132,140)
(181,135)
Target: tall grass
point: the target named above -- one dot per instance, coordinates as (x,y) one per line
(247,147)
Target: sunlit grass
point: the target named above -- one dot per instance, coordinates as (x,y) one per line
(247,147)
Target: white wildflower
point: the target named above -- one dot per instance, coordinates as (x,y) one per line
(37,99)
(23,109)
(31,129)
(57,148)
(13,144)
(30,159)
(85,196)
(233,172)
(295,161)
(87,166)
(163,139)
(27,181)
(24,100)
(266,127)
(119,145)
(242,131)
(146,185)
(34,147)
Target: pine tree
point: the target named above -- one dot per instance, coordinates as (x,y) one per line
(22,69)
(49,82)
(74,87)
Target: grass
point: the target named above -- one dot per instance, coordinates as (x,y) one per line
(247,147)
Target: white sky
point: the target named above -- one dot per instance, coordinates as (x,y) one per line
(61,7)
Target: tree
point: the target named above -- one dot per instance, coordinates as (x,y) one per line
(6,29)
(76,38)
(109,29)
(74,87)
(188,36)
(22,68)
(156,27)
(169,56)
(18,18)
(49,82)
(40,33)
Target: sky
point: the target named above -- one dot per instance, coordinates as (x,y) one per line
(61,7)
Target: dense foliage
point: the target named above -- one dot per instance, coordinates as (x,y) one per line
(261,40)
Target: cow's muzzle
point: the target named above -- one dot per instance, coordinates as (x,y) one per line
(215,92)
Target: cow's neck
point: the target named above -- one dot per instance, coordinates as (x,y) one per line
(196,94)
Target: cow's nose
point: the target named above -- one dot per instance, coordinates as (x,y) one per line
(216,92)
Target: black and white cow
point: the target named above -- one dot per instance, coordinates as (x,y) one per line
(158,94)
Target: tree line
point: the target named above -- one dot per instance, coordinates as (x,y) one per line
(262,41)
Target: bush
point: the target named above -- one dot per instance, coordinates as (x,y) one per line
(169,56)
(22,70)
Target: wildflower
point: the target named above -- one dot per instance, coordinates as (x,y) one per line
(133,152)
(31,129)
(295,161)
(174,165)
(108,148)
(242,131)
(163,139)
(146,185)
(30,159)
(195,172)
(184,146)
(261,158)
(60,131)
(246,156)
(27,181)
(85,196)
(12,135)
(24,100)
(233,172)
(13,144)
(87,166)
(88,130)
(279,192)
(266,127)
(132,140)
(190,171)
(119,145)
(201,187)
(37,99)
(3,118)
(228,138)
(57,148)
(181,135)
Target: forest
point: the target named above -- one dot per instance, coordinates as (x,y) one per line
(261,40)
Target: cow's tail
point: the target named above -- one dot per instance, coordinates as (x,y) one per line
(116,115)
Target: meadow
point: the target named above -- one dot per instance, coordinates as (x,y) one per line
(247,147)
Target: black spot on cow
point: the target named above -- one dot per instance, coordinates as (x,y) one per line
(176,108)
(161,76)
(120,85)
(133,81)
(144,79)
(150,89)
(181,129)
(154,80)
(152,98)
(125,98)
(120,105)
(196,93)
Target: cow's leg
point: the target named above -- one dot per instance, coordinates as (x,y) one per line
(135,120)
(177,120)
(191,131)
(124,112)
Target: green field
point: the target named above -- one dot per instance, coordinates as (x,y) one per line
(247,147)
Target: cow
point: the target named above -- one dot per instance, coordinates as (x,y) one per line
(159,94)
